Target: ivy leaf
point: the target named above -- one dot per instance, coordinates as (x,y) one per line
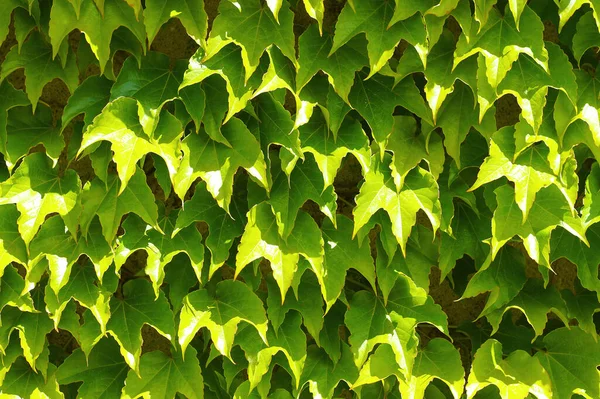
(12,246)
(441,360)
(314,50)
(38,191)
(228,64)
(342,253)
(322,375)
(160,246)
(590,212)
(307,301)
(62,251)
(26,129)
(32,328)
(501,41)
(103,200)
(586,37)
(535,302)
(223,228)
(36,59)
(548,211)
(376,98)
(469,232)
(571,359)
(164,375)
(6,11)
(373,18)
(368,322)
(103,372)
(151,83)
(98,25)
(419,191)
(582,306)
(422,252)
(221,312)
(261,240)
(565,245)
(89,99)
(25,382)
(12,287)
(289,193)
(529,170)
(219,162)
(329,150)
(254,28)
(504,278)
(517,375)
(137,308)
(9,98)
(410,148)
(380,365)
(118,124)
(414,305)
(190,12)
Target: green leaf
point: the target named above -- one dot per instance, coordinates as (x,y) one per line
(40,67)
(504,278)
(164,376)
(374,19)
(190,12)
(38,190)
(549,211)
(103,200)
(571,360)
(12,246)
(12,287)
(228,64)
(565,245)
(24,382)
(322,375)
(376,98)
(151,83)
(368,322)
(535,302)
(97,24)
(89,99)
(221,312)
(32,328)
(261,240)
(289,193)
(517,375)
(586,37)
(118,124)
(342,252)
(138,308)
(501,41)
(223,228)
(103,372)
(9,98)
(378,191)
(307,301)
(314,49)
(62,250)
(219,163)
(26,129)
(252,26)
(329,150)
(160,246)
(582,306)
(410,148)
(440,360)
(469,234)
(7,9)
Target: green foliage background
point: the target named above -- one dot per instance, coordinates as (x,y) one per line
(299,198)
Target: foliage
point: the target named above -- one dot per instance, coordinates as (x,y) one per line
(299,198)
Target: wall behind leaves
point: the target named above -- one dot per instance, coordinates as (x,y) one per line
(299,198)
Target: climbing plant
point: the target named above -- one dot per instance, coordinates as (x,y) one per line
(299,198)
